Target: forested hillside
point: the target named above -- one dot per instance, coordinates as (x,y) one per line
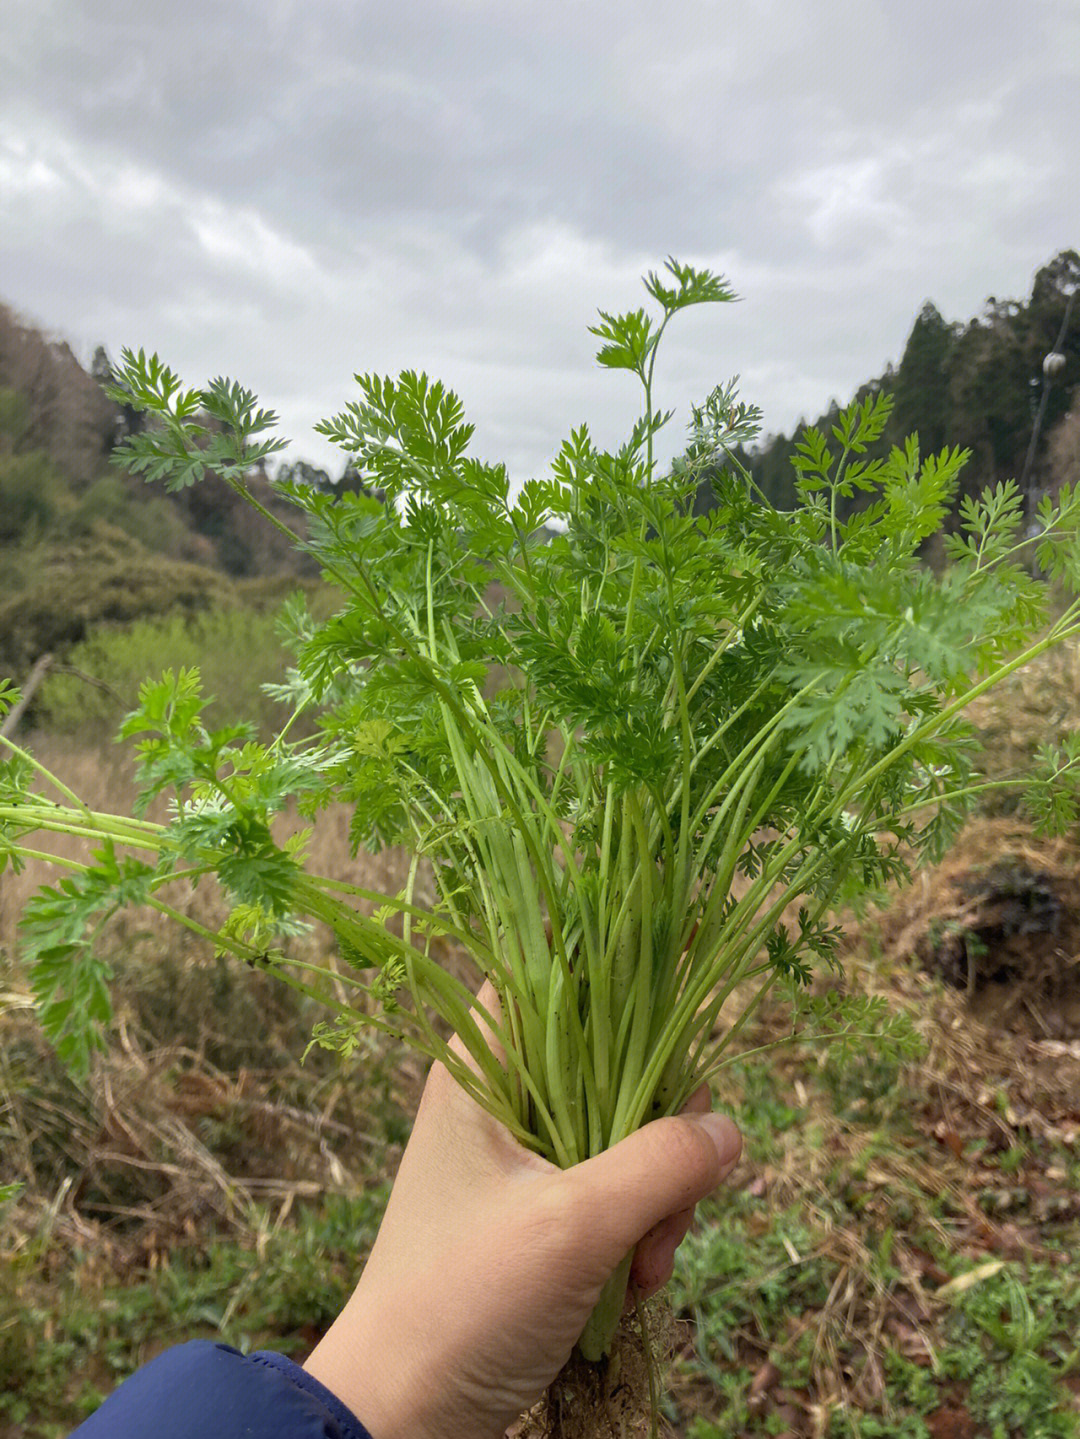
(979,385)
(84,547)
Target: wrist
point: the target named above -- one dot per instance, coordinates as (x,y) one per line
(375,1369)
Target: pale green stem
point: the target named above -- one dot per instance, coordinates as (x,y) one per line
(30,821)
(47,774)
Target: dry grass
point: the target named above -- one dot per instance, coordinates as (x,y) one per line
(200,1113)
(1036,705)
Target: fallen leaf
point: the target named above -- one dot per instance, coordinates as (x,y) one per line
(950,1139)
(927,1265)
(795,1398)
(762,1382)
(963,1282)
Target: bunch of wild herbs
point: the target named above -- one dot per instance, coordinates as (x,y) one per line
(625,747)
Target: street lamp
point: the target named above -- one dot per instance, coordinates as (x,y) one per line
(1052,366)
(1054,362)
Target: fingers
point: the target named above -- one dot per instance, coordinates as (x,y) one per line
(654,1258)
(700,1102)
(487,999)
(659,1171)
(647,1186)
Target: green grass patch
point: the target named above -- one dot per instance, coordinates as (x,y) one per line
(236,649)
(68,1341)
(868,1296)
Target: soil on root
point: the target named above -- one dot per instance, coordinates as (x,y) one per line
(615,1398)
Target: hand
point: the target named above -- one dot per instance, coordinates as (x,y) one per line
(489,1261)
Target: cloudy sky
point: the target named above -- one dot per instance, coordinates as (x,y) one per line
(288,193)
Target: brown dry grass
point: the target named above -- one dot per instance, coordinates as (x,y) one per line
(999,917)
(1036,705)
(200,1113)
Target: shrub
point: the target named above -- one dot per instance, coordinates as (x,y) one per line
(236,648)
(62,591)
(32,495)
(150,519)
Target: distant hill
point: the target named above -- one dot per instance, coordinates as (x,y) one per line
(55,413)
(81,543)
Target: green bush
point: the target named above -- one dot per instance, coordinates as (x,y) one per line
(152,519)
(59,593)
(32,496)
(236,649)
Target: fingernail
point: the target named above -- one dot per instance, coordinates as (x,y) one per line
(724,1135)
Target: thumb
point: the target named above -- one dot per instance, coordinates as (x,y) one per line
(665,1167)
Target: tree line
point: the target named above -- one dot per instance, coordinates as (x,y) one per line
(978,385)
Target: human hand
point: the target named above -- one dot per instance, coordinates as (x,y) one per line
(489,1261)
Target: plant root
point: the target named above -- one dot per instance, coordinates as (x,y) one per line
(613,1399)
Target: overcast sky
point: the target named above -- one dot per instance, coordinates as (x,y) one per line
(288,193)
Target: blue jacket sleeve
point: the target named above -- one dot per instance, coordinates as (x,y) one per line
(203,1390)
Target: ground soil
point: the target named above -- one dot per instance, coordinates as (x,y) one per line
(999,920)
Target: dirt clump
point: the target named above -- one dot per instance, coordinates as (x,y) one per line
(1000,920)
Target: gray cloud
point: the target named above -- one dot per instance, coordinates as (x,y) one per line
(289,193)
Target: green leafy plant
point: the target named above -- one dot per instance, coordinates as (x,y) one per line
(628,749)
(1013,1337)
